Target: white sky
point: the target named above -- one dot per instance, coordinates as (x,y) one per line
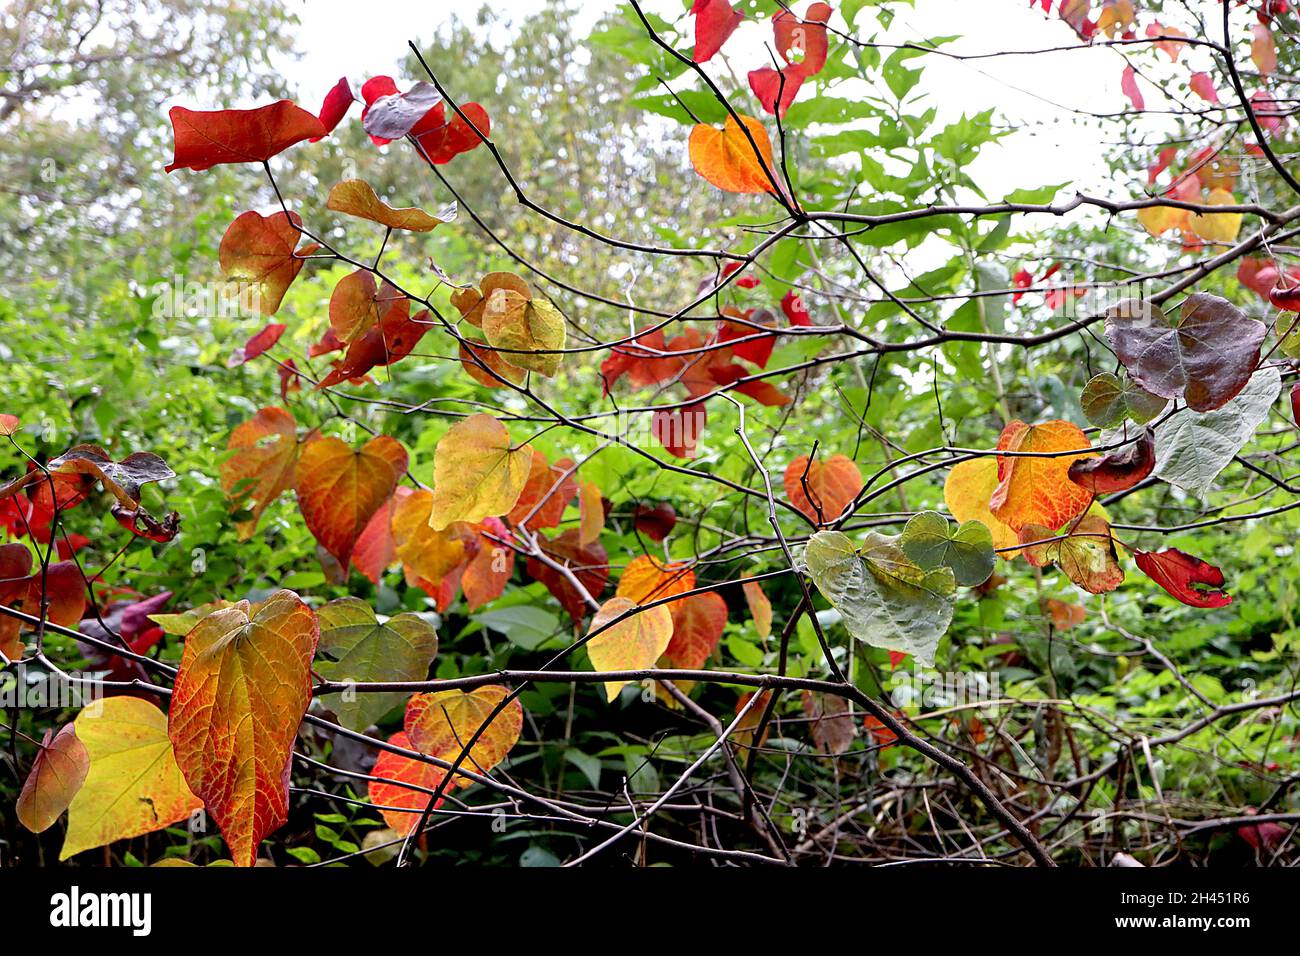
(1027,91)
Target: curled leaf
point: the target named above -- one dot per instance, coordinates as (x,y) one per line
(1189,579)
(1117,470)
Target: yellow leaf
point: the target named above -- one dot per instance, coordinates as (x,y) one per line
(1160,219)
(355,197)
(967,491)
(760,608)
(530,331)
(591,511)
(1034,487)
(477,474)
(1218,226)
(634,643)
(426,554)
(134,785)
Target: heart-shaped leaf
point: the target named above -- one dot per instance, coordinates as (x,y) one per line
(1204,358)
(441,724)
(56,776)
(931,542)
(1108,400)
(1189,579)
(1034,485)
(527,330)
(133,785)
(263,252)
(822,489)
(636,642)
(1086,555)
(727,158)
(883,598)
(402,806)
(1117,470)
(261,466)
(363,650)
(243,686)
(698,623)
(340,489)
(477,473)
(966,492)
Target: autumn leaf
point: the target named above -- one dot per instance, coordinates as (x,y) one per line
(263,252)
(656,522)
(1218,226)
(471,303)
(1108,400)
(8,425)
(335,106)
(545,495)
(261,466)
(591,512)
(801,42)
(355,305)
(1085,555)
(56,776)
(1128,85)
(427,553)
(1037,489)
(1205,357)
(123,479)
(831,724)
(340,489)
(392,115)
(1263,51)
(402,806)
(698,623)
(635,642)
(529,331)
(727,159)
(1117,470)
(487,573)
(364,650)
(257,345)
(931,542)
(133,785)
(646,579)
(760,608)
(474,355)
(394,338)
(588,564)
(1202,84)
(966,492)
(456,136)
(58,594)
(356,197)
(206,138)
(715,21)
(822,489)
(441,724)
(1188,579)
(242,689)
(477,473)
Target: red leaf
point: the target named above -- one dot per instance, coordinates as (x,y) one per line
(1128,84)
(623,358)
(1189,579)
(289,379)
(256,345)
(679,429)
(1161,164)
(204,139)
(768,84)
(394,338)
(656,522)
(1295,403)
(444,143)
(337,103)
(792,305)
(1202,84)
(589,564)
(715,21)
(1118,470)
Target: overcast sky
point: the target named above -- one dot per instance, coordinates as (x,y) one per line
(1032,92)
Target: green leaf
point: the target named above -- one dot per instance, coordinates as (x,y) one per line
(928,540)
(1108,400)
(365,650)
(523,625)
(884,599)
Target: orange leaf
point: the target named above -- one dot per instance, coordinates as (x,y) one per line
(698,623)
(726,158)
(207,138)
(441,724)
(549,489)
(828,487)
(589,565)
(243,686)
(645,580)
(265,452)
(57,774)
(356,197)
(420,776)
(263,251)
(1038,490)
(490,569)
(340,489)
(591,511)
(760,608)
(425,553)
(634,643)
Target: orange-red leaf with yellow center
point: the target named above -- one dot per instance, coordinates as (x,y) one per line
(698,623)
(340,489)
(243,686)
(422,779)
(426,554)
(262,251)
(1034,487)
(442,724)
